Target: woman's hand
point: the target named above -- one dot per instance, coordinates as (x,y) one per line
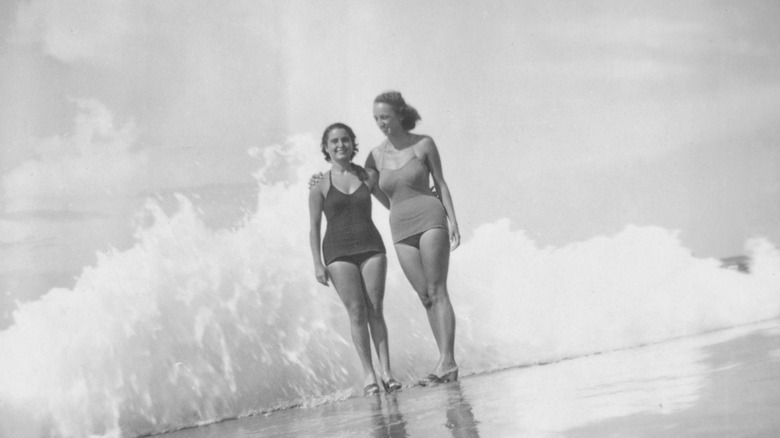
(322,274)
(315,179)
(454,237)
(435,192)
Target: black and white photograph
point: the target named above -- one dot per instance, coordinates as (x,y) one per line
(389,219)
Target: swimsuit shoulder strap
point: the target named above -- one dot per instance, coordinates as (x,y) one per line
(330,184)
(381,164)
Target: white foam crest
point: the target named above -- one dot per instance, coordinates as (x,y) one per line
(191,325)
(186,326)
(640,286)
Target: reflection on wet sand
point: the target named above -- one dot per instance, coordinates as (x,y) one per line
(389,422)
(460,416)
(390,425)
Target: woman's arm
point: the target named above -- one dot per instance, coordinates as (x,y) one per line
(316,203)
(431,154)
(373,184)
(371,161)
(373,179)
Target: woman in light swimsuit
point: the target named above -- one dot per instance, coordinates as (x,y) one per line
(423,224)
(353,250)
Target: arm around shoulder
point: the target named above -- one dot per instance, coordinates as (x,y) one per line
(315,178)
(371,161)
(373,184)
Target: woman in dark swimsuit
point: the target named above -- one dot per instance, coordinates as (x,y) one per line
(353,250)
(422,223)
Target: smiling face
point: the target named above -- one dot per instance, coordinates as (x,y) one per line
(386,119)
(339,145)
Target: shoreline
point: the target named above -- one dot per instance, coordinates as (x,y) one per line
(663,389)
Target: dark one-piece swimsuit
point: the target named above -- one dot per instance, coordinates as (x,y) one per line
(350,235)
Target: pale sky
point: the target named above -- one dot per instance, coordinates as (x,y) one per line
(573,119)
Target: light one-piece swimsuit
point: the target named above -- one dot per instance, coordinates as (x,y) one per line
(414,209)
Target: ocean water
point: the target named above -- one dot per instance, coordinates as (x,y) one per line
(722,383)
(192,324)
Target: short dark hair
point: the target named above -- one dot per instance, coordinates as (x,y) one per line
(350,132)
(409,116)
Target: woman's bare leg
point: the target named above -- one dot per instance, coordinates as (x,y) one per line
(426,269)
(374,271)
(349,285)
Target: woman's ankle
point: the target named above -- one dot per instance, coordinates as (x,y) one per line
(369,379)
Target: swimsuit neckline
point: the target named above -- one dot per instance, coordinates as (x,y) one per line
(348,194)
(403,165)
(333,186)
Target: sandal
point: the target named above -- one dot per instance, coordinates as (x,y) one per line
(431,379)
(371,389)
(391,385)
(451,376)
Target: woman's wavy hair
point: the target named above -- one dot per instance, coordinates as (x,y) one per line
(350,132)
(408,115)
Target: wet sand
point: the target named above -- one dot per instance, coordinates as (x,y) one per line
(725,383)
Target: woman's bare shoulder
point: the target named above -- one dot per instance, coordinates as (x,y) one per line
(423,144)
(419,137)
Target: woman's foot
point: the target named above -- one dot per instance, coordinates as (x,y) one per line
(450,376)
(371,389)
(370,385)
(391,385)
(431,379)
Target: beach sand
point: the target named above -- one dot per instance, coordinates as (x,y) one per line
(719,384)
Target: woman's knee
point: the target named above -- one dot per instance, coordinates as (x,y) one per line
(430,296)
(358,314)
(436,292)
(426,300)
(375,311)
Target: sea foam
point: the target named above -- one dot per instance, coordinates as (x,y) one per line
(192,324)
